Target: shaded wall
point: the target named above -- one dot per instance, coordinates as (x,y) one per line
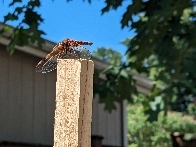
(27,104)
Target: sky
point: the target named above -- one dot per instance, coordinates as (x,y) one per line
(80,20)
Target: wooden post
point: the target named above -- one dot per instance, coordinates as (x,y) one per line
(74,94)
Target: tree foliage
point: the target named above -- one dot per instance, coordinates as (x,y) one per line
(163,49)
(27,31)
(157,134)
(108,55)
(117,85)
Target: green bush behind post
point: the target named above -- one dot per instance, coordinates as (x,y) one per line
(157,133)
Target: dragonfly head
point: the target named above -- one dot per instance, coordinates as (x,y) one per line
(60,46)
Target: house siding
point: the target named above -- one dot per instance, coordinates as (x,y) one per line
(111,122)
(27,104)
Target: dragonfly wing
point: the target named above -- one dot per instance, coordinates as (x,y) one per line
(48,63)
(83,52)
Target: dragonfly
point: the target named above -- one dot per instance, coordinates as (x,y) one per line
(66,49)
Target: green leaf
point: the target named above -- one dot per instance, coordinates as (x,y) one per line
(11,17)
(4,30)
(10,46)
(35,3)
(114,4)
(35,17)
(124,73)
(126,42)
(19,10)
(108,68)
(132,9)
(36,35)
(14,1)
(109,102)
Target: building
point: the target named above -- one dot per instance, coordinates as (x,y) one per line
(27,100)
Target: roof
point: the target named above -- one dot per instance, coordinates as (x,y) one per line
(143,84)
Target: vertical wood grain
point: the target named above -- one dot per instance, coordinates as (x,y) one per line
(73,112)
(86,96)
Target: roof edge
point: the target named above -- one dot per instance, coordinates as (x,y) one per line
(143,83)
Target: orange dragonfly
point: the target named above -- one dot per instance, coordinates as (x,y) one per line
(67,49)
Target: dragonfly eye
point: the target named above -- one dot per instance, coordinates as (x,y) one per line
(60,46)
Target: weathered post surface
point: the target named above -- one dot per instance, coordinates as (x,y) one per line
(74,93)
